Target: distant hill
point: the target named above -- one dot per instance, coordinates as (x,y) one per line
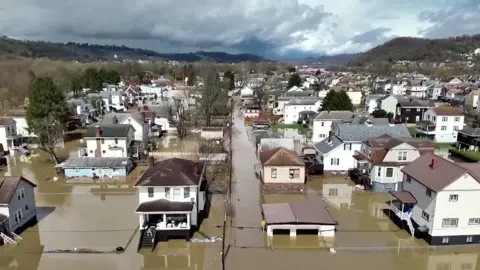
(12,48)
(420,49)
(338,59)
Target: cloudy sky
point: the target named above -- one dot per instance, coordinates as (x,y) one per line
(266,27)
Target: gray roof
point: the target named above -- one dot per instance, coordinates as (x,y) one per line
(474,132)
(108,119)
(299,93)
(76,101)
(105,94)
(109,131)
(303,101)
(373,121)
(335,115)
(8,186)
(407,102)
(95,162)
(325,147)
(312,211)
(361,132)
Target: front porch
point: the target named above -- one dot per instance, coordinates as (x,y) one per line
(361,174)
(425,127)
(402,207)
(16,143)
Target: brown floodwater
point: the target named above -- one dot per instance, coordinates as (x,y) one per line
(102,217)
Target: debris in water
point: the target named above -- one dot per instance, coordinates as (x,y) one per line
(206,240)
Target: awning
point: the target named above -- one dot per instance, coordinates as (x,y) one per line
(404,196)
(163,205)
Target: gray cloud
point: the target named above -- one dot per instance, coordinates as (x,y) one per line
(374,35)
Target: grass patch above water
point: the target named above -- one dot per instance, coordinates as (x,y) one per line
(444,146)
(472,156)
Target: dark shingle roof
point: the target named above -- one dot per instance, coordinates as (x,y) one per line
(172,172)
(163,205)
(109,131)
(312,211)
(8,185)
(280,157)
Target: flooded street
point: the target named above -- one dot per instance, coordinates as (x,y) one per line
(102,217)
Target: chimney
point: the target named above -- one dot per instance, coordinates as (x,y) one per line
(145,107)
(195,167)
(330,136)
(432,163)
(144,116)
(151,161)
(97,131)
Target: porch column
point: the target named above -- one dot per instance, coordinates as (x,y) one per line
(188,220)
(165,219)
(403,205)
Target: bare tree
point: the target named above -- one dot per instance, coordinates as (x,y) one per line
(216,157)
(212,95)
(180,116)
(49,133)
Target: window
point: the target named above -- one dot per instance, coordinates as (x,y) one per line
(418,110)
(450,222)
(389,172)
(434,118)
(473,221)
(20,194)
(407,110)
(443,128)
(409,179)
(102,140)
(444,266)
(347,146)
(453,198)
(379,171)
(294,173)
(150,192)
(333,192)
(322,124)
(466,266)
(167,193)
(91,151)
(177,192)
(469,240)
(456,128)
(402,155)
(457,119)
(445,240)
(186,192)
(334,161)
(116,140)
(428,192)
(26,207)
(273,173)
(444,119)
(428,117)
(426,216)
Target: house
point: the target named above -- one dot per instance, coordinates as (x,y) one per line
(97,167)
(19,116)
(296,107)
(410,110)
(336,153)
(322,124)
(113,140)
(251,112)
(371,101)
(112,100)
(441,124)
(172,198)
(355,97)
(438,200)
(471,100)
(468,139)
(381,159)
(17,207)
(388,104)
(246,93)
(435,91)
(9,138)
(136,120)
(282,166)
(337,192)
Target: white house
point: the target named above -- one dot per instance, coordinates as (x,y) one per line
(322,124)
(113,140)
(381,159)
(9,138)
(388,104)
(441,124)
(298,106)
(439,200)
(112,100)
(336,153)
(20,123)
(17,207)
(172,196)
(134,119)
(246,92)
(355,97)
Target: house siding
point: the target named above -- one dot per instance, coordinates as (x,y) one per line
(16,204)
(346,159)
(424,203)
(101,172)
(283,174)
(410,115)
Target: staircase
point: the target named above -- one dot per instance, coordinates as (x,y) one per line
(7,239)
(404,216)
(148,238)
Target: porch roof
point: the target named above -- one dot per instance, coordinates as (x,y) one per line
(404,196)
(163,205)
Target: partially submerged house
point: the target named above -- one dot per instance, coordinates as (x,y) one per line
(172,199)
(17,207)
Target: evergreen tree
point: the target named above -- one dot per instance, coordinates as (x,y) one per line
(294,80)
(337,101)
